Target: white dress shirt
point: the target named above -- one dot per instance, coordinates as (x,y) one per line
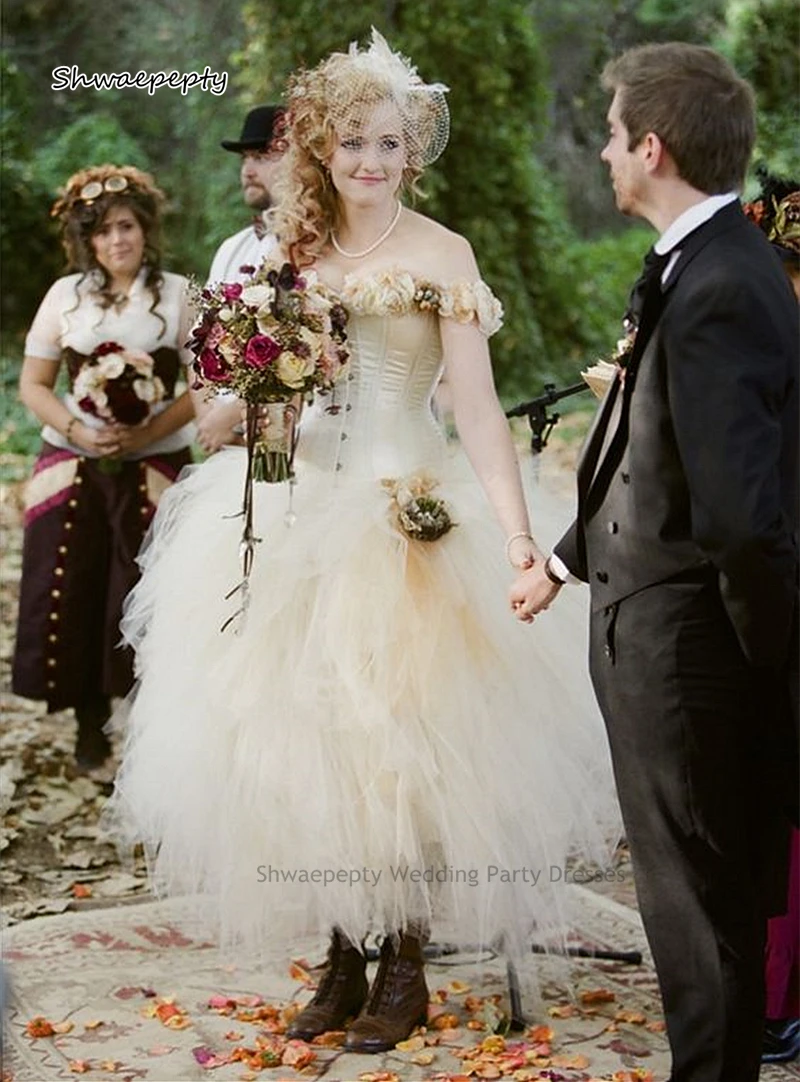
(243,249)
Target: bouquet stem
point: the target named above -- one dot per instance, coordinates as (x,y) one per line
(273,450)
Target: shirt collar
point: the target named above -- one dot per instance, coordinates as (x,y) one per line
(691,219)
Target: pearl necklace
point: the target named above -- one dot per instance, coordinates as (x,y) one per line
(374,245)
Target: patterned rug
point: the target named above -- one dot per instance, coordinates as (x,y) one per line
(139,992)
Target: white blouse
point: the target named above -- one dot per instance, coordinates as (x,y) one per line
(71,315)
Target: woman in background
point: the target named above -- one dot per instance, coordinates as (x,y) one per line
(101,469)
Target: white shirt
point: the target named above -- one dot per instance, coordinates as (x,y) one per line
(242,249)
(71,315)
(683,225)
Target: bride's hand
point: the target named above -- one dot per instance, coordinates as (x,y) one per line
(523,553)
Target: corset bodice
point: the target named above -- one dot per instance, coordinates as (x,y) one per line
(379,422)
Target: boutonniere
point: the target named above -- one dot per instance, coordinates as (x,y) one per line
(600,375)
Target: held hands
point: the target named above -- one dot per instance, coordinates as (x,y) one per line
(533,592)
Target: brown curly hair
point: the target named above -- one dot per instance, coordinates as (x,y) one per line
(81,216)
(307,210)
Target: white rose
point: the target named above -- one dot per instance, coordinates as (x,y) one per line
(144,390)
(257,296)
(112,365)
(225,314)
(293,370)
(311,339)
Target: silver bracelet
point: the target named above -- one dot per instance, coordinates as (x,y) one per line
(516,537)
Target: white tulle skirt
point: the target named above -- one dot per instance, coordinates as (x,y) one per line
(379,741)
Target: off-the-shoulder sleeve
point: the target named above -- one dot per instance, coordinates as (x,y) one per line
(44,337)
(467,301)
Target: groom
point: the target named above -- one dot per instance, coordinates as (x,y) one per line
(687,533)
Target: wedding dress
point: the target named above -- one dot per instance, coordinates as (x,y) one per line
(378,740)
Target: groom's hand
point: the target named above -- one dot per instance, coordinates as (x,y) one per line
(532,593)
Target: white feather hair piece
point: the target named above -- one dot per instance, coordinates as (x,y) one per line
(422,106)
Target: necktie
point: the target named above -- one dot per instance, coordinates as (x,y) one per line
(652,269)
(259,228)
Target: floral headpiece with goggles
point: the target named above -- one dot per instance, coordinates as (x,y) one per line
(85,187)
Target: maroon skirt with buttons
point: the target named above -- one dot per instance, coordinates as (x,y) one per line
(83,529)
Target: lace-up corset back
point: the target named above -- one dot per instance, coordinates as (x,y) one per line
(381,423)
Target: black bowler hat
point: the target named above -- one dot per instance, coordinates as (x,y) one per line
(258,129)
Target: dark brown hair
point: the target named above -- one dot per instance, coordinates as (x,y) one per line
(694,101)
(82,217)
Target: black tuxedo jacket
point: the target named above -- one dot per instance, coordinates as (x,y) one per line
(691,465)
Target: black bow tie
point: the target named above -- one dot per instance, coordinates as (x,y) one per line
(652,269)
(259,228)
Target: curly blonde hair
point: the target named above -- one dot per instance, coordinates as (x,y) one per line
(340,94)
(82,213)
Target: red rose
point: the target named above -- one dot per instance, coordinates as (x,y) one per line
(108,347)
(213,368)
(261,350)
(231,291)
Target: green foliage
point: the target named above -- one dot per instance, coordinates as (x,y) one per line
(762,38)
(26,238)
(173,136)
(606,268)
(19,429)
(92,139)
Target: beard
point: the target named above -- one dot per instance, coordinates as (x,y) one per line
(257,197)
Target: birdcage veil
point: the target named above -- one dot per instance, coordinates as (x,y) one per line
(355,87)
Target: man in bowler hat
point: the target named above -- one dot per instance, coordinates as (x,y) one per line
(219,421)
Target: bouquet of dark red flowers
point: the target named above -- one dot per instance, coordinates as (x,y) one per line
(117,384)
(274,338)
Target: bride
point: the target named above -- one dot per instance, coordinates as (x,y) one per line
(381,745)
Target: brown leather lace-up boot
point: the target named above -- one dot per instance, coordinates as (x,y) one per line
(398,999)
(341,993)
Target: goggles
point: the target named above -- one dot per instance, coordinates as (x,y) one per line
(95,188)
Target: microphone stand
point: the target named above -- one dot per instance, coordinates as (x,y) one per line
(542,422)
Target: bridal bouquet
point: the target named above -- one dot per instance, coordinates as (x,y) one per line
(270,340)
(117,384)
